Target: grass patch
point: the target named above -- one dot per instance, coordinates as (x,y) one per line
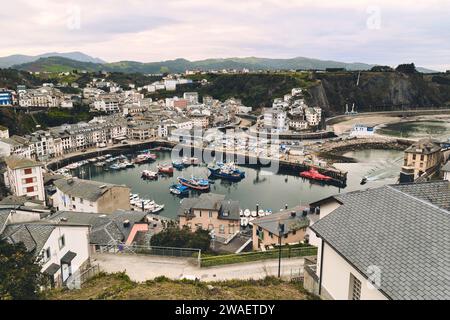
(118,286)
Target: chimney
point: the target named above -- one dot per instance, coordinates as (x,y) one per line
(285,206)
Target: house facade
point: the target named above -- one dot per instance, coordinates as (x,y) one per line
(90,196)
(24,177)
(210,212)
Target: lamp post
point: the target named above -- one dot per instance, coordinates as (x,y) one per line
(280,231)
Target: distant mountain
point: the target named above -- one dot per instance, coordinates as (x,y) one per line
(58,64)
(83,62)
(9,61)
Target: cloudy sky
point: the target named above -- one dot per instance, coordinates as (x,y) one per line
(377,31)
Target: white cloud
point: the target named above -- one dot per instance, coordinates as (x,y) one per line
(195,29)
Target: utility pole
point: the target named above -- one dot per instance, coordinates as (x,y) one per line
(280,231)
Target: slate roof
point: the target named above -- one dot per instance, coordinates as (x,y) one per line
(4,215)
(270,223)
(105,228)
(438,193)
(424,146)
(446,167)
(32,235)
(395,229)
(85,189)
(210,201)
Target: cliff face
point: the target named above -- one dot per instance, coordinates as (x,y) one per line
(378,91)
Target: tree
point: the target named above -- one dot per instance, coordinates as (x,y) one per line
(172,236)
(20,273)
(406,68)
(381,69)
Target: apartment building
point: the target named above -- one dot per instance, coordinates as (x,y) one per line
(24,177)
(90,196)
(4,132)
(422,156)
(290,225)
(210,212)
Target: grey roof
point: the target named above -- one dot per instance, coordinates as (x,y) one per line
(424,146)
(105,228)
(68,257)
(229,210)
(52,269)
(32,235)
(395,229)
(446,167)
(210,201)
(438,193)
(291,223)
(4,215)
(85,189)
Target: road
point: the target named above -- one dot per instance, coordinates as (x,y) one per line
(141,267)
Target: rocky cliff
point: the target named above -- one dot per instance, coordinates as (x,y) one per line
(379,91)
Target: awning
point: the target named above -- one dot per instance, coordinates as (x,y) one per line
(68,257)
(52,269)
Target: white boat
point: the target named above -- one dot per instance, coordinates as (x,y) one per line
(244,221)
(149,174)
(261,213)
(247,213)
(254,214)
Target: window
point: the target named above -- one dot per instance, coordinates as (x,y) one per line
(271,234)
(210,214)
(28,171)
(81,200)
(28,180)
(30,189)
(62,242)
(355,288)
(210,227)
(422,157)
(222,228)
(294,232)
(47,254)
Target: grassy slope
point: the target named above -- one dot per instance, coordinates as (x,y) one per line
(119,287)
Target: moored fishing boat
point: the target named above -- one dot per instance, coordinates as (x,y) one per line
(179,189)
(147,174)
(313,174)
(178,164)
(115,166)
(165,168)
(190,161)
(195,183)
(225,173)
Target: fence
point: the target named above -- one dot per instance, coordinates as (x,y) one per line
(290,252)
(76,280)
(195,254)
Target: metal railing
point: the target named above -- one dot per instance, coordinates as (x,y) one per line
(289,252)
(76,280)
(195,254)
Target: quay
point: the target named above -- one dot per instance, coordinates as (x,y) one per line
(293,167)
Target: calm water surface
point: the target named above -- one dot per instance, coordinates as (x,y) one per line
(268,190)
(417,129)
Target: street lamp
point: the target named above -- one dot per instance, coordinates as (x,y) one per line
(280,231)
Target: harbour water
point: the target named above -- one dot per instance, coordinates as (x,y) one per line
(417,129)
(270,191)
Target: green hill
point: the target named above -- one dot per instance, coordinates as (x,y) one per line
(58,64)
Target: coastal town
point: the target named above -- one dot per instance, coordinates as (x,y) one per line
(220,159)
(79,225)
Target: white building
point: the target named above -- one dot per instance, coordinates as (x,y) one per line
(191,97)
(360,130)
(275,120)
(372,244)
(313,116)
(4,132)
(62,249)
(24,177)
(107,104)
(90,196)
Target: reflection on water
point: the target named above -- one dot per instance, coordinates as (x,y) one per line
(417,129)
(268,190)
(380,167)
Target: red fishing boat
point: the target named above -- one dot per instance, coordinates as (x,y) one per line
(313,174)
(165,168)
